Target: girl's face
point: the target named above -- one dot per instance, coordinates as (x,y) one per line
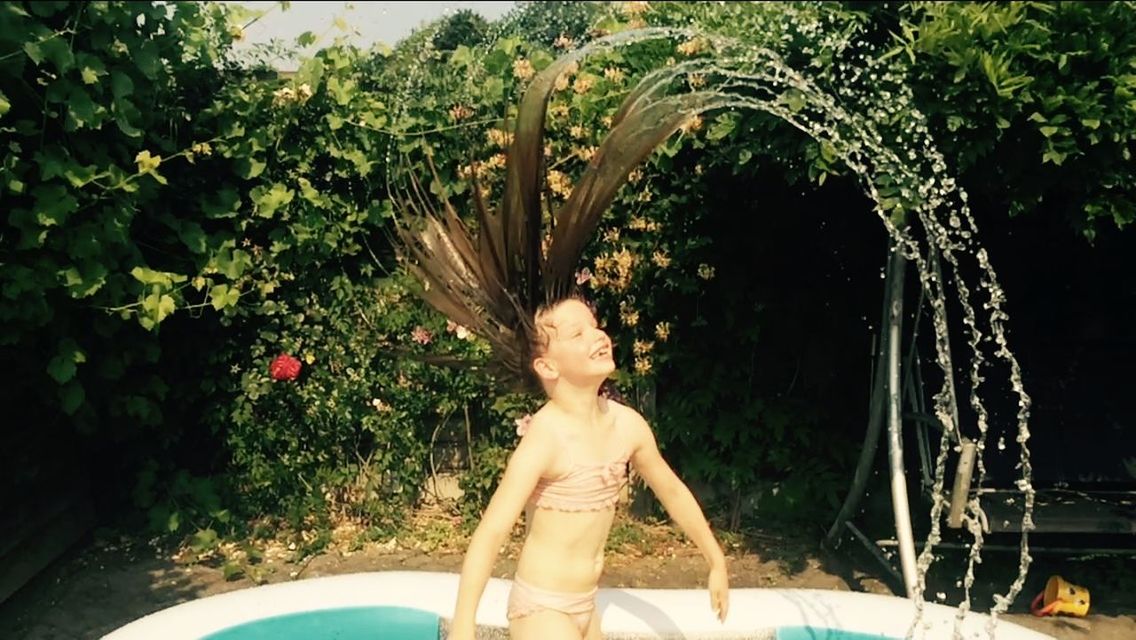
(578,350)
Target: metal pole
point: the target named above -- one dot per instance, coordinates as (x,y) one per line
(875,426)
(900,503)
(960,494)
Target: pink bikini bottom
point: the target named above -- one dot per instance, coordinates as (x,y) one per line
(525,600)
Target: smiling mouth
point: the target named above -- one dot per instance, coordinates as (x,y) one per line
(602,352)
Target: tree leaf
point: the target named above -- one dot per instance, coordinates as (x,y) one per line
(61,368)
(71,397)
(222,296)
(54,204)
(121,85)
(249,167)
(166,306)
(193,236)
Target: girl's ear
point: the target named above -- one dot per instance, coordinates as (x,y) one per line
(545,369)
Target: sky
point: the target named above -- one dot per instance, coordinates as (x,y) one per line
(370,22)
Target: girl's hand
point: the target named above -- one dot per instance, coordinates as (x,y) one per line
(719,586)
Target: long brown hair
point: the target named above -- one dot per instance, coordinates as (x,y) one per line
(495,282)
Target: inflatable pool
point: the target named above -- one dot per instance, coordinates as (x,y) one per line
(411,606)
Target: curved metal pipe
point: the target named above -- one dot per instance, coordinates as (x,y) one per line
(900,503)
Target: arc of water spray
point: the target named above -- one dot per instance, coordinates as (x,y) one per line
(757,82)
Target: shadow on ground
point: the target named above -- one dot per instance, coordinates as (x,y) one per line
(99,587)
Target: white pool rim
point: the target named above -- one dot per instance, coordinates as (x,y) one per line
(647,613)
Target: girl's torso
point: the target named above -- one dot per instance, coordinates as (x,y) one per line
(570,513)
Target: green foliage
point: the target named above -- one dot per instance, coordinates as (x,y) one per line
(1034,101)
(542,23)
(96,99)
(463,28)
(177,217)
(351,434)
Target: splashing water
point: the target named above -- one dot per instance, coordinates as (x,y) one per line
(866,118)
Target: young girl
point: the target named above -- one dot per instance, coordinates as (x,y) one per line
(512,285)
(566,474)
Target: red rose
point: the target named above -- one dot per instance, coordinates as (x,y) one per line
(284,367)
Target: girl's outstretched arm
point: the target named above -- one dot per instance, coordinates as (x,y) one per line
(528,462)
(682,508)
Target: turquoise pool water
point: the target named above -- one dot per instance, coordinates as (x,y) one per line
(353,623)
(400,623)
(814,633)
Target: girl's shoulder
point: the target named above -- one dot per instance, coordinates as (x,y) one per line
(541,423)
(625,415)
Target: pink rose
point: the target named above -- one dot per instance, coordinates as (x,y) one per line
(523,424)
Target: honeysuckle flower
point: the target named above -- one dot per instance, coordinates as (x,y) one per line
(421,335)
(523,69)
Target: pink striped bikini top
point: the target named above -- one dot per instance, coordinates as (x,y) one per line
(585,487)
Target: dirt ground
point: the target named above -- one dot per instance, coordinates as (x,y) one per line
(102,585)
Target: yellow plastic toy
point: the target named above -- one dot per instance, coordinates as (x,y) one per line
(1061,597)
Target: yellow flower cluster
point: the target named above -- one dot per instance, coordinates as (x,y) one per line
(287,95)
(696,80)
(691,47)
(560,183)
(643,347)
(663,331)
(615,270)
(584,84)
(563,42)
(661,259)
(642,224)
(586,153)
(577,131)
(628,316)
(558,111)
(614,74)
(500,138)
(705,271)
(460,112)
(523,69)
(642,366)
(496,161)
(200,148)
